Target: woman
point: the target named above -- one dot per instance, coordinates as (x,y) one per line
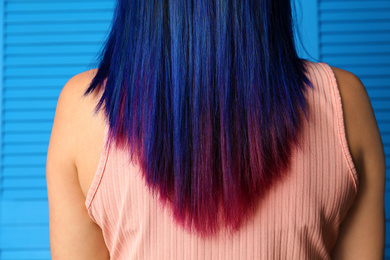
(212,139)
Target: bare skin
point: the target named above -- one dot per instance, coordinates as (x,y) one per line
(76,144)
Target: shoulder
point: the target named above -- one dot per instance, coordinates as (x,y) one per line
(68,117)
(73,234)
(361,127)
(77,84)
(364,225)
(71,100)
(72,92)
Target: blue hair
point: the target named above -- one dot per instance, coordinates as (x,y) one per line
(208,96)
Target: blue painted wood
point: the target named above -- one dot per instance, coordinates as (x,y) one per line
(63,6)
(354,15)
(373,59)
(356,48)
(32,104)
(355,37)
(22,171)
(33,82)
(387,201)
(24,195)
(2,4)
(58,48)
(24,237)
(44,28)
(25,213)
(347,6)
(354,26)
(45,71)
(37,60)
(28,39)
(28,116)
(379,82)
(24,183)
(24,160)
(366,71)
(308,32)
(26,254)
(22,126)
(29,93)
(50,17)
(25,149)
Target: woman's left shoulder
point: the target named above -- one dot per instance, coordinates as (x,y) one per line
(77,132)
(72,232)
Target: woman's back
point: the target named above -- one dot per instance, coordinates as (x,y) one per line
(298,218)
(77,137)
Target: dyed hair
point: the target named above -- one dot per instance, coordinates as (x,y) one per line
(208,98)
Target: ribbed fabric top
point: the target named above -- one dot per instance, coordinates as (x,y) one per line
(298,218)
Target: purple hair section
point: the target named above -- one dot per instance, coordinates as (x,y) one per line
(208,96)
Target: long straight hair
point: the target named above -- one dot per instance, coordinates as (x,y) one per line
(208,98)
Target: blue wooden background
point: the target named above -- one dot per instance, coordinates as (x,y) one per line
(45,42)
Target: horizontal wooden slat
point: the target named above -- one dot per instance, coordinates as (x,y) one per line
(355,15)
(47,93)
(60,48)
(24,213)
(43,71)
(86,27)
(23,149)
(381,104)
(387,242)
(40,137)
(372,59)
(53,17)
(387,200)
(379,82)
(363,71)
(90,38)
(372,26)
(27,126)
(28,116)
(48,1)
(382,116)
(26,254)
(362,37)
(25,195)
(59,6)
(52,60)
(384,127)
(54,82)
(24,237)
(386,142)
(23,171)
(30,104)
(356,48)
(24,160)
(379,93)
(348,6)
(24,183)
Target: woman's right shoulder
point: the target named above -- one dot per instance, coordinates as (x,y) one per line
(361,127)
(363,228)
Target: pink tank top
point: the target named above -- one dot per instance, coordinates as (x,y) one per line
(299,217)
